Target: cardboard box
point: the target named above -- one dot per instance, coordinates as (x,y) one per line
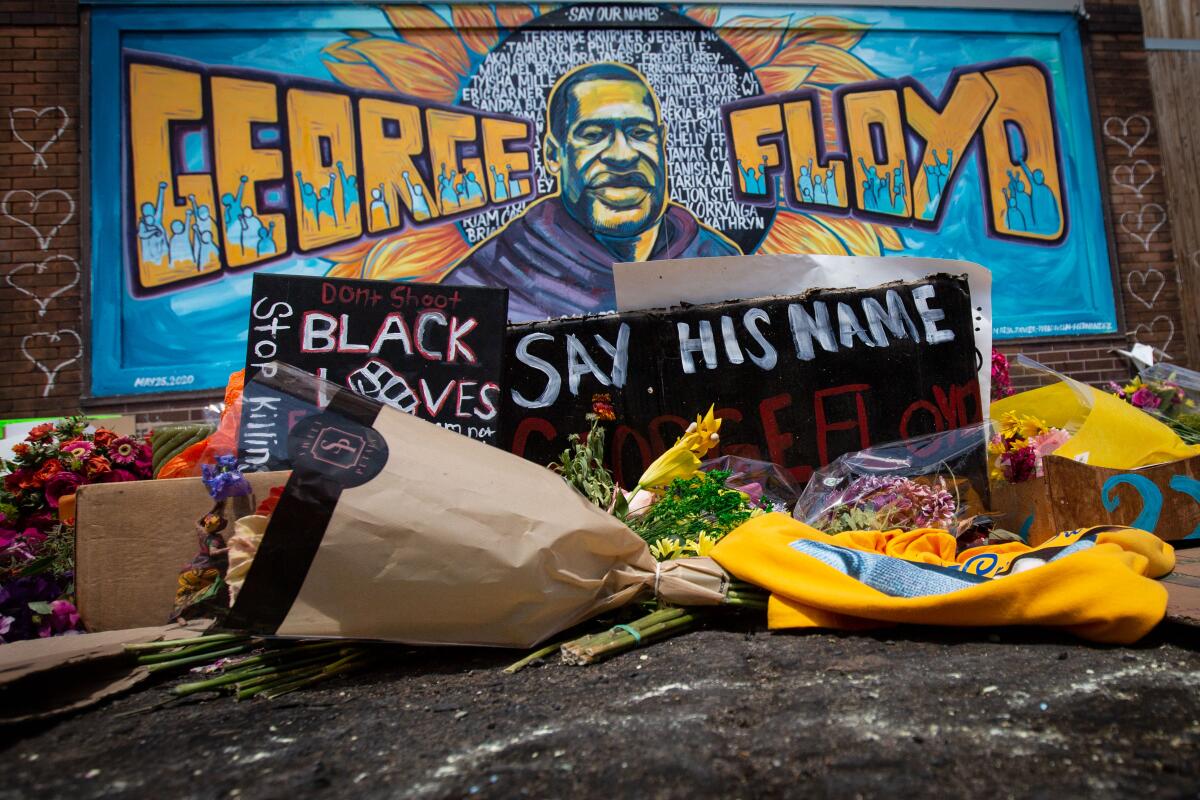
(133,539)
(1162,498)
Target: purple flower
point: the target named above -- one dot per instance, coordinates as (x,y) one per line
(224,484)
(62,484)
(1144,398)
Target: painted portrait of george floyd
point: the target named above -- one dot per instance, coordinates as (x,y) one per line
(605,144)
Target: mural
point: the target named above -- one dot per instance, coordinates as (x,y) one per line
(534,146)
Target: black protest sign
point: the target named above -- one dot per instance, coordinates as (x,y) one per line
(429,350)
(797,380)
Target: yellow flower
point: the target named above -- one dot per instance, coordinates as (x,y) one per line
(678,462)
(1010,425)
(1031,427)
(701,545)
(701,436)
(666,549)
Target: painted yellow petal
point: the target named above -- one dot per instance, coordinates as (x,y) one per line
(834,31)
(410,69)
(782,79)
(754,38)
(477,26)
(889,238)
(425,254)
(420,26)
(360,76)
(859,237)
(800,233)
(342,51)
(514,16)
(833,66)
(705,15)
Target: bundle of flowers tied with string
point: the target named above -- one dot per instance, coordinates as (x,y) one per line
(393,529)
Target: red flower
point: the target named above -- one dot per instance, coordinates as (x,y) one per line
(14,482)
(61,485)
(103,437)
(40,433)
(118,476)
(267,507)
(21,449)
(97,466)
(49,468)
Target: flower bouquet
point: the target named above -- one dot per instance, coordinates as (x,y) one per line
(1171,394)
(933,481)
(36,515)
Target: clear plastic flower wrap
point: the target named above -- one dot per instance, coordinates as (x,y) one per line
(931,481)
(763,481)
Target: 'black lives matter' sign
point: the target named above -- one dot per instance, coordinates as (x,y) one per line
(432,351)
(797,380)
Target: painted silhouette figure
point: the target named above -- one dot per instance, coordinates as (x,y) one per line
(204,239)
(325,201)
(266,240)
(206,251)
(749,179)
(472,191)
(831,195)
(818,189)
(249,229)
(501,184)
(1013,215)
(233,206)
(152,239)
(447,194)
(349,190)
(378,204)
(308,197)
(419,205)
(1046,217)
(515,187)
(181,245)
(806,182)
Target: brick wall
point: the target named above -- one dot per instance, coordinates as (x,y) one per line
(1139,214)
(40,206)
(40,324)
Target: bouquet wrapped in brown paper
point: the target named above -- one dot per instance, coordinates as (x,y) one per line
(391,528)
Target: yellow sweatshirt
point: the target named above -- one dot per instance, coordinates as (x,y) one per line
(1095,583)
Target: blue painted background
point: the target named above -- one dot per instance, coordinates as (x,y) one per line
(193,338)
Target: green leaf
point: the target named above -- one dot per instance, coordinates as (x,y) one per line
(40,607)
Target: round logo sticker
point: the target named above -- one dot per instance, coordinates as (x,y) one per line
(338,448)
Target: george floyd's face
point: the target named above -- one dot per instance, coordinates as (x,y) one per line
(611,165)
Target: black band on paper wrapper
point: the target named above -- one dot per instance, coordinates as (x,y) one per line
(334,450)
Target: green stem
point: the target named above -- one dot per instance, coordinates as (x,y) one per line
(199,659)
(216,637)
(346,665)
(208,647)
(512,669)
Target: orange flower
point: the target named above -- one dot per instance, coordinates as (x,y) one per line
(103,437)
(40,432)
(21,449)
(96,466)
(46,471)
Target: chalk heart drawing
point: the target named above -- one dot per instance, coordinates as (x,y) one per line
(1121,131)
(1127,175)
(1150,329)
(44,135)
(21,278)
(1150,218)
(20,205)
(48,339)
(1145,278)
